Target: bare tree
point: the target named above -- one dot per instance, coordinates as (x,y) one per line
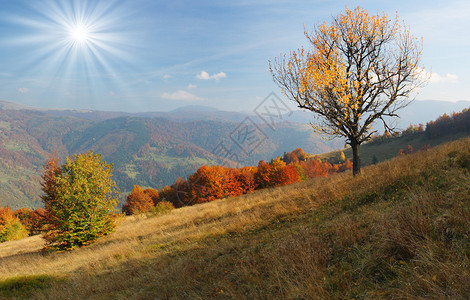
(362,68)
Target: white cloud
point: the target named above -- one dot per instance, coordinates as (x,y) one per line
(22,90)
(192,86)
(181,95)
(166,76)
(203,75)
(436,78)
(206,76)
(447,78)
(219,75)
(112,93)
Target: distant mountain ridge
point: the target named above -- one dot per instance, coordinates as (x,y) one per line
(419,111)
(184,113)
(194,108)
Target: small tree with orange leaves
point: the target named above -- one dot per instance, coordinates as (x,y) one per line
(10,226)
(295,156)
(209,184)
(138,201)
(362,68)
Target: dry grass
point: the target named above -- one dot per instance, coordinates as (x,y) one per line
(401,230)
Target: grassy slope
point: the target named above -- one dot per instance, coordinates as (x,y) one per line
(401,230)
(390,148)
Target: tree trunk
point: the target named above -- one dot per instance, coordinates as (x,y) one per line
(356,158)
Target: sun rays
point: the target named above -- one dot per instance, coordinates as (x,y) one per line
(74,45)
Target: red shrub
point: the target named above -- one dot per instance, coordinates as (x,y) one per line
(316,168)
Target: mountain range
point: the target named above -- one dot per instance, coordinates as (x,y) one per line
(153,149)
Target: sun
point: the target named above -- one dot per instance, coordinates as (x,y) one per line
(81,45)
(79,34)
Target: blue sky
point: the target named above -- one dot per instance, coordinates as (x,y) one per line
(153,55)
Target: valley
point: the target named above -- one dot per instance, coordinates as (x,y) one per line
(148,151)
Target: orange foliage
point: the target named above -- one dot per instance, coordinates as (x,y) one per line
(32,220)
(210,183)
(137,202)
(6,215)
(276,173)
(339,80)
(246,179)
(233,183)
(240,181)
(153,194)
(289,174)
(217,182)
(51,170)
(181,195)
(295,156)
(347,165)
(316,168)
(10,226)
(262,176)
(37,220)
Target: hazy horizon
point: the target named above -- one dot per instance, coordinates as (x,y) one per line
(201,107)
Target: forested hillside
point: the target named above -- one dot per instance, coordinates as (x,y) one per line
(144,150)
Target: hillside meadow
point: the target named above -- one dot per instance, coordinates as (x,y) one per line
(400,230)
(390,148)
(445,128)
